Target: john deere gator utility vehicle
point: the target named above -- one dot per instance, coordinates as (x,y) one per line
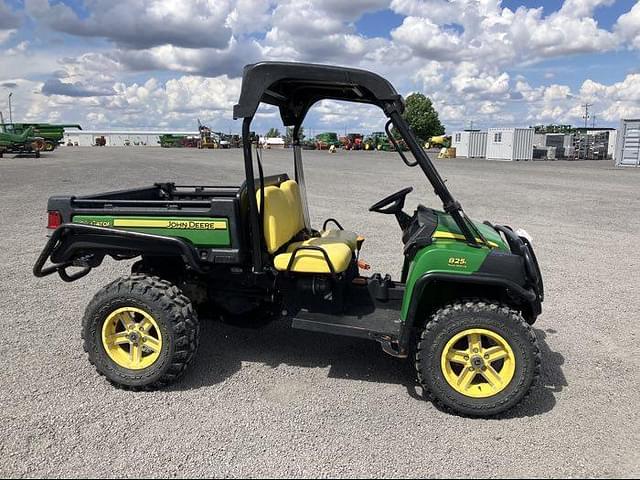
(462,308)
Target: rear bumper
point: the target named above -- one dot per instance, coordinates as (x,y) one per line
(78,245)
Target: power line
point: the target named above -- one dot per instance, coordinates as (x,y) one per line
(586,113)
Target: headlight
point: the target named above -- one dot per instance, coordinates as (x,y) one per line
(521,232)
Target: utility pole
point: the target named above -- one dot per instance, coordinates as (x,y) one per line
(586,113)
(593,120)
(10,115)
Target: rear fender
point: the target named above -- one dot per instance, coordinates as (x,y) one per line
(71,243)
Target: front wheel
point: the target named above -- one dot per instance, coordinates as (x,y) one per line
(477,358)
(140,332)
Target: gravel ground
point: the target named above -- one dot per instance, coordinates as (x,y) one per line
(281,402)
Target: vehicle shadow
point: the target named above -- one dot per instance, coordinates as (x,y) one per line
(223,349)
(552,380)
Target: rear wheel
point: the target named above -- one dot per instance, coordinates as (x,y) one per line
(477,358)
(49,146)
(140,332)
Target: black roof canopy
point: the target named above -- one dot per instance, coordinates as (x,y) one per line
(295,87)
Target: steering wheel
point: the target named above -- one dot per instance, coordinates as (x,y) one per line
(393,203)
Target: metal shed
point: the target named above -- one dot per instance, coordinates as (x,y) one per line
(470,143)
(510,144)
(120,138)
(628,143)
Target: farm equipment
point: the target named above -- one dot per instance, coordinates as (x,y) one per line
(172,141)
(378,141)
(169,140)
(326,140)
(352,141)
(21,143)
(52,134)
(462,308)
(441,141)
(208,139)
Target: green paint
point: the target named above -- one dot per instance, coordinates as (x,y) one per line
(447,224)
(193,229)
(448,256)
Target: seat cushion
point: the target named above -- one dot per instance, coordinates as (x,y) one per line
(313,261)
(282,214)
(344,236)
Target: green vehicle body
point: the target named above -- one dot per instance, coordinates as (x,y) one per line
(327,139)
(172,141)
(377,141)
(448,253)
(204,232)
(22,142)
(52,134)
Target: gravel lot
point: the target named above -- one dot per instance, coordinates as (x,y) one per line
(281,402)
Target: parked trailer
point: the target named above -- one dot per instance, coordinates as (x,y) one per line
(470,143)
(510,144)
(628,143)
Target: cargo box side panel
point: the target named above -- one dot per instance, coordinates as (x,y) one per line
(203,232)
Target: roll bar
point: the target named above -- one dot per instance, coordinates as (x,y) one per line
(294,88)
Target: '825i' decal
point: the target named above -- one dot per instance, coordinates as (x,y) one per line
(458,262)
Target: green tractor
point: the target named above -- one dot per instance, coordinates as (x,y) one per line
(462,308)
(22,143)
(378,141)
(52,134)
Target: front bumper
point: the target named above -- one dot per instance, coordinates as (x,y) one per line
(521,245)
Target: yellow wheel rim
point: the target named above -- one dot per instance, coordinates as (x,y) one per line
(478,363)
(132,339)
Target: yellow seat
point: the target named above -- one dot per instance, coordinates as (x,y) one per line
(292,191)
(344,236)
(283,221)
(313,261)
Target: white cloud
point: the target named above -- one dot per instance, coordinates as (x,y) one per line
(460,52)
(427,39)
(430,76)
(470,81)
(486,33)
(628,26)
(143,23)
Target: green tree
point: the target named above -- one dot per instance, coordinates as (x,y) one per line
(288,136)
(422,117)
(273,133)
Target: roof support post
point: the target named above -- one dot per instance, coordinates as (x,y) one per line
(255,230)
(299,176)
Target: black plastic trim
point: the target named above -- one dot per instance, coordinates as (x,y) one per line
(70,240)
(421,284)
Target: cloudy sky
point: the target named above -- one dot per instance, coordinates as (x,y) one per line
(165,63)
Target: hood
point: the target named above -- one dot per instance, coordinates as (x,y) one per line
(447,228)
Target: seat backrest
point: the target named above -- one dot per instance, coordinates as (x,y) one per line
(282,214)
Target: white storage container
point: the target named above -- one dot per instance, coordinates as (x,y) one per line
(471,144)
(510,144)
(628,143)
